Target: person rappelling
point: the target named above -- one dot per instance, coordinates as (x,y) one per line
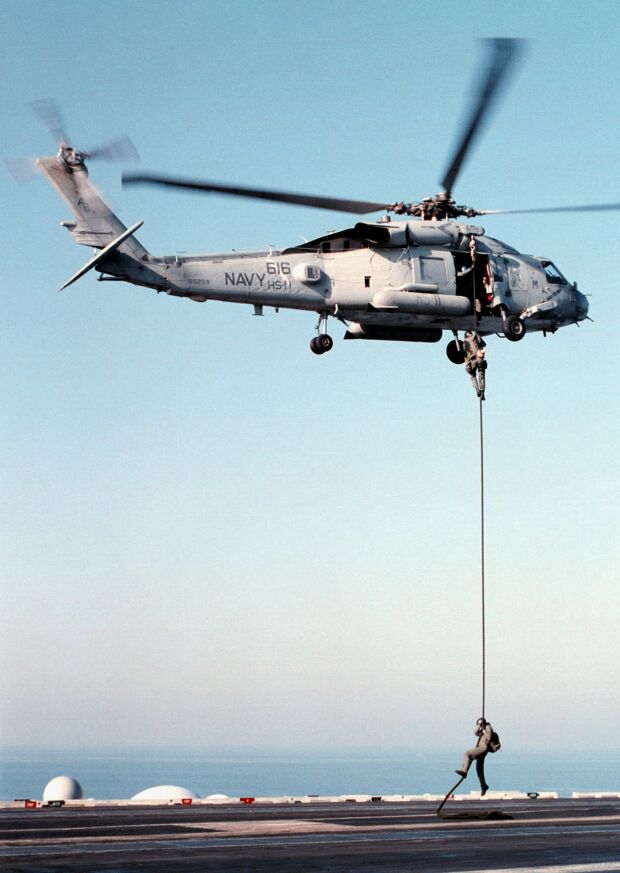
(488,741)
(475,363)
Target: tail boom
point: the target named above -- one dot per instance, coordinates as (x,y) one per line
(96,224)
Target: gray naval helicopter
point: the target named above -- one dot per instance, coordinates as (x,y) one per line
(406,280)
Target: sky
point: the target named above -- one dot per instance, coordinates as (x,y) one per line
(209,535)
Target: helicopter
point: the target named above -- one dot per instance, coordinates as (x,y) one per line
(392,279)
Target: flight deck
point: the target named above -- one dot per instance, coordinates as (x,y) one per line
(555,836)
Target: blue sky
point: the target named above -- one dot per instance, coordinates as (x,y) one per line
(210,535)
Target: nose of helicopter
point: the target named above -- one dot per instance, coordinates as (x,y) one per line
(582,305)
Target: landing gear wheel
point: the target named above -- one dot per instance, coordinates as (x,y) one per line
(455,352)
(321,344)
(325,342)
(514,328)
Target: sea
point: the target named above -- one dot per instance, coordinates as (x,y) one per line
(107,774)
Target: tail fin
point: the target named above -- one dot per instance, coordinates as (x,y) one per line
(96,224)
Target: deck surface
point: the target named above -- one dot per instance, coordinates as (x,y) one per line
(558,836)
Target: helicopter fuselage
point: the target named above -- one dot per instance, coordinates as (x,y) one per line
(419,281)
(406,280)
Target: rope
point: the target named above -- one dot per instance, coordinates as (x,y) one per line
(449,794)
(482,580)
(472,249)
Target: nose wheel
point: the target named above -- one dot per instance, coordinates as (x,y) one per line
(322,342)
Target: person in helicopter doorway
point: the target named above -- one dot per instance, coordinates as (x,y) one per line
(475,363)
(484,732)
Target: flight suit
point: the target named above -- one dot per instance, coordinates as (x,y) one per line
(479,753)
(475,363)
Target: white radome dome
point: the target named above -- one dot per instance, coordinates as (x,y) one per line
(62,788)
(165,792)
(215,798)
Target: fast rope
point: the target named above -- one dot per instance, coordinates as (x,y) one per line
(482,580)
(472,249)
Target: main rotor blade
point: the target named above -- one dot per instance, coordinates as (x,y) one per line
(595,207)
(504,53)
(48,113)
(359,207)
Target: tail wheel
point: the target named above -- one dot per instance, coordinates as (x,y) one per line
(455,352)
(514,328)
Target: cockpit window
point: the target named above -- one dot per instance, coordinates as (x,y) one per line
(554,277)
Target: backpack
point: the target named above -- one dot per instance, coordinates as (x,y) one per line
(494,743)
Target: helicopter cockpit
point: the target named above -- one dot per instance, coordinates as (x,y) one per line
(554,277)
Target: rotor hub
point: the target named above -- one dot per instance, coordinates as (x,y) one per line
(437,208)
(71,157)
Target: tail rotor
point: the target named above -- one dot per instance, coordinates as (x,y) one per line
(47,111)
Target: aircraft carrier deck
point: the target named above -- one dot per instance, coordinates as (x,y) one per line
(579,835)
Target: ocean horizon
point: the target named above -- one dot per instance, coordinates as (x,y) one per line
(107,773)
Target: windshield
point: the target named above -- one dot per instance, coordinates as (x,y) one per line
(554,277)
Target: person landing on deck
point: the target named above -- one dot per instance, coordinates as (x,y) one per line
(484,732)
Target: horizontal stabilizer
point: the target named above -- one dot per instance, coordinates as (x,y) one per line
(102,255)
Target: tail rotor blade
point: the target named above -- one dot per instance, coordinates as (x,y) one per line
(121,150)
(48,113)
(21,169)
